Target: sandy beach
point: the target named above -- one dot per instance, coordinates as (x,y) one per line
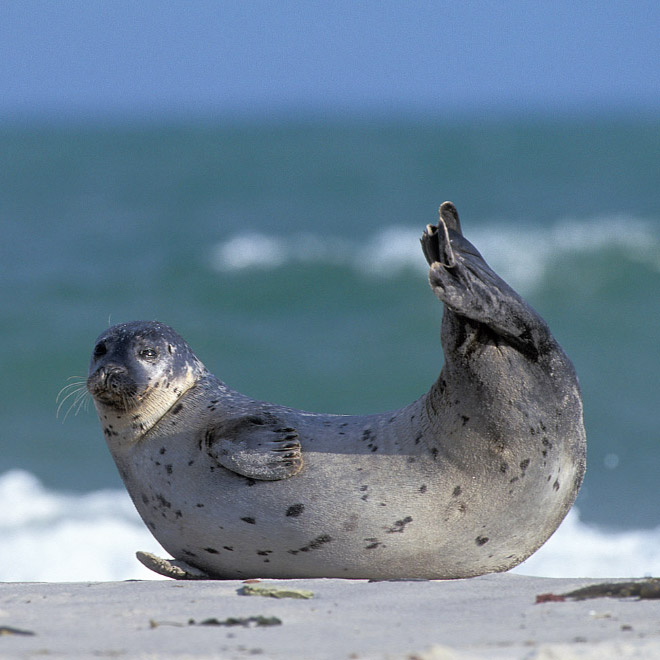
(494,616)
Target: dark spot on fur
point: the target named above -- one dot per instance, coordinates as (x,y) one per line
(319,541)
(504,466)
(177,409)
(163,501)
(481,540)
(457,491)
(189,553)
(363,488)
(555,486)
(418,438)
(162,450)
(434,453)
(249,481)
(249,520)
(392,419)
(264,553)
(513,481)
(422,488)
(295,510)
(465,419)
(524,464)
(145,499)
(366,434)
(190,463)
(178,513)
(365,498)
(399,525)
(228,547)
(199,505)
(168,469)
(211,551)
(373,543)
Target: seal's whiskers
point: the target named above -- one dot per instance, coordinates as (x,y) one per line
(77,390)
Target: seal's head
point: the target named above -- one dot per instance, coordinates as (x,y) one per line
(141,368)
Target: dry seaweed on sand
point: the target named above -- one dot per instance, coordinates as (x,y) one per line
(274,592)
(643,589)
(246,622)
(9,630)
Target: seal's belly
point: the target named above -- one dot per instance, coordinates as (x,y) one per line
(343,515)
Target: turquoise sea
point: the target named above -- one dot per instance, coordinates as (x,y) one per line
(288,256)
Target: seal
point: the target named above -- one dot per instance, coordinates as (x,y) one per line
(471,478)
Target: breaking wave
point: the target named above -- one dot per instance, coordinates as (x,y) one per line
(521,255)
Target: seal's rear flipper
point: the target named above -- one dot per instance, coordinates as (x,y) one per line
(461,278)
(172,568)
(436,243)
(257,446)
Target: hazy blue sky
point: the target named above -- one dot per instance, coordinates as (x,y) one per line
(153,57)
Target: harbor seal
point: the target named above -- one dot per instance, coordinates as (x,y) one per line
(471,478)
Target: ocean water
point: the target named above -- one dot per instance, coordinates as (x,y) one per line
(288,257)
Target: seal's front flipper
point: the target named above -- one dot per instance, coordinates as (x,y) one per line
(461,278)
(172,568)
(257,446)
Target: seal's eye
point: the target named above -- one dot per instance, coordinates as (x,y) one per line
(148,354)
(100,350)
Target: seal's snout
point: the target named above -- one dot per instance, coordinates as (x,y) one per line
(110,384)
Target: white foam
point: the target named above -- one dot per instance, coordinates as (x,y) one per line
(50,536)
(522,255)
(577,549)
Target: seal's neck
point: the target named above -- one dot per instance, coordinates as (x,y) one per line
(123,428)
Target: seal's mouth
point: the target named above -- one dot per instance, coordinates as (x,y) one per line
(112,387)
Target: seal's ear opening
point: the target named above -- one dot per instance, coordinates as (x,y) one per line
(449,216)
